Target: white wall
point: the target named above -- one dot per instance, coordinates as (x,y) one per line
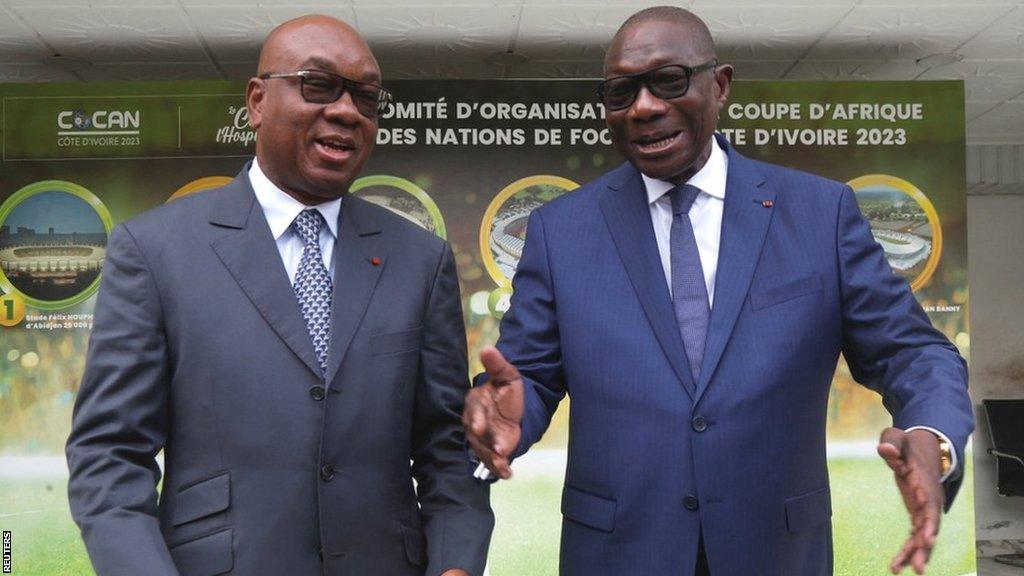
(995,245)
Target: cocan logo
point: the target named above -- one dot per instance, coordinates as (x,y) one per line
(100,121)
(80,120)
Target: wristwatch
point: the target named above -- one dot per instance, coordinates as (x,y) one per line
(945,456)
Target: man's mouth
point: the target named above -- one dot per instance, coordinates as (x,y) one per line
(335,148)
(657,142)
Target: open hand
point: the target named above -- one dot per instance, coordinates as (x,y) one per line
(914,459)
(494,412)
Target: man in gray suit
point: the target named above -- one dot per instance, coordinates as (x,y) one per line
(290,350)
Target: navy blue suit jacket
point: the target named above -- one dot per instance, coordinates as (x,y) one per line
(800,280)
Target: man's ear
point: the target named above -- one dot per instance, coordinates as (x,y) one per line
(723,83)
(255,92)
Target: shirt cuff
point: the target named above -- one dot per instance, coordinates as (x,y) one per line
(944,438)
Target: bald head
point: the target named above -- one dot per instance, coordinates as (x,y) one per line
(286,40)
(697,35)
(308,144)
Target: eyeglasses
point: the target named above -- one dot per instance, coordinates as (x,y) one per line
(319,87)
(665,82)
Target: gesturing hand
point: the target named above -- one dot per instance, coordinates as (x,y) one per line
(914,459)
(493,413)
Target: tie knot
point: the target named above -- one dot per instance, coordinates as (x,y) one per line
(682,197)
(308,224)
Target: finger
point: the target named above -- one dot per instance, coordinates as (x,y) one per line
(916,503)
(924,505)
(502,468)
(899,561)
(497,464)
(920,554)
(489,416)
(919,560)
(482,452)
(929,530)
(499,467)
(893,436)
(891,446)
(499,443)
(891,455)
(499,369)
(470,409)
(474,414)
(921,523)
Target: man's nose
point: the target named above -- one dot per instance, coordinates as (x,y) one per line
(646,105)
(343,109)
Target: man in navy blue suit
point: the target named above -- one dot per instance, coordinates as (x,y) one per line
(694,303)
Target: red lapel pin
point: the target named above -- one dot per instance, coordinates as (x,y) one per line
(375,261)
(767,203)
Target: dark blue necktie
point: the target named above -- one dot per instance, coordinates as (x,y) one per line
(689,293)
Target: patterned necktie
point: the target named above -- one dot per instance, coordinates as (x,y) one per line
(689,293)
(313,284)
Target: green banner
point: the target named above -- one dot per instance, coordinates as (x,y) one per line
(467,160)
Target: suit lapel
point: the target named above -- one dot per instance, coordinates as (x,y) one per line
(744,226)
(359,258)
(251,256)
(629,222)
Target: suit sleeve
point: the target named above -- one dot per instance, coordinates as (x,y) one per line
(529,336)
(455,508)
(120,420)
(891,346)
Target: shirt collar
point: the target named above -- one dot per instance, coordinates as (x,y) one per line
(710,178)
(281,209)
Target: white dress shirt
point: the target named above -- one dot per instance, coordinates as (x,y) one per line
(706,218)
(281,209)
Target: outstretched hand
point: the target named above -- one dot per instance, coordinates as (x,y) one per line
(914,459)
(494,412)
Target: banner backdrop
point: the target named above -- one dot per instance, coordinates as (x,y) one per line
(467,160)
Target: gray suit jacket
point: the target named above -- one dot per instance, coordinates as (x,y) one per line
(199,349)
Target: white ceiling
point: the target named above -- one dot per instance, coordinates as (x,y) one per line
(791,39)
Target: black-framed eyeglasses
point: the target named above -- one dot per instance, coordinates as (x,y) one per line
(319,87)
(665,82)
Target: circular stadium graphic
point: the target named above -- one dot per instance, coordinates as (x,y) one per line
(53,242)
(200,184)
(904,222)
(402,197)
(503,230)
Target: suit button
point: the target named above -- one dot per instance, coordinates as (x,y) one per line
(699,424)
(690,502)
(317,392)
(327,472)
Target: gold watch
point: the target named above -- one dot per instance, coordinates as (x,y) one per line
(945,456)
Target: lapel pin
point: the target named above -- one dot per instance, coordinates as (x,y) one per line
(767,203)
(375,261)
